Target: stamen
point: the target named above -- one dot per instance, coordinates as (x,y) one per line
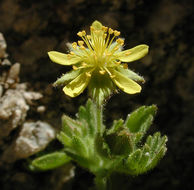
(74,67)
(104,28)
(74,45)
(72,53)
(84,64)
(125,66)
(88,74)
(116,33)
(80,43)
(80,34)
(102,72)
(118,63)
(89,37)
(110,31)
(91,28)
(112,76)
(83,32)
(82,48)
(120,41)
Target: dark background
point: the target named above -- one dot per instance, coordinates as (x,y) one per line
(32,28)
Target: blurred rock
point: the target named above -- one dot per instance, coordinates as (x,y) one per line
(13,109)
(33,137)
(3,46)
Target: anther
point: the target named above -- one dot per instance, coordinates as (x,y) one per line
(83,32)
(91,28)
(88,74)
(72,53)
(102,72)
(82,47)
(74,45)
(104,28)
(104,35)
(80,34)
(84,64)
(125,66)
(112,76)
(118,63)
(116,48)
(110,31)
(116,33)
(80,43)
(74,67)
(89,37)
(120,41)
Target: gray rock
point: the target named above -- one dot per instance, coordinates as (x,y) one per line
(33,137)
(3,47)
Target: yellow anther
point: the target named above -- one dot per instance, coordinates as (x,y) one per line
(116,33)
(118,63)
(95,57)
(112,76)
(120,41)
(74,67)
(74,45)
(128,53)
(104,35)
(84,64)
(108,54)
(80,34)
(72,53)
(83,32)
(82,47)
(80,43)
(91,28)
(104,28)
(102,72)
(116,48)
(125,66)
(88,74)
(110,31)
(89,37)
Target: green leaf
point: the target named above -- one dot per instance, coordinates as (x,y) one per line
(148,156)
(49,161)
(117,124)
(141,119)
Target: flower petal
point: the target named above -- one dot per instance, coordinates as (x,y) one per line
(62,58)
(124,83)
(130,74)
(77,86)
(133,54)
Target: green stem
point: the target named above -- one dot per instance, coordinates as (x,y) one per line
(101,183)
(99,114)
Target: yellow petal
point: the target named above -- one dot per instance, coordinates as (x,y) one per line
(63,59)
(124,83)
(133,54)
(77,86)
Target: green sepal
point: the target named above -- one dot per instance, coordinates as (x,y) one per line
(49,161)
(65,78)
(100,87)
(130,74)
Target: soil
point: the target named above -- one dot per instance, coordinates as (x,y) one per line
(32,28)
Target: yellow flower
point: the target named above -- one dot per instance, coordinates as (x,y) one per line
(98,58)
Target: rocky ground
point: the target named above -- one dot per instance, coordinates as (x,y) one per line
(31,28)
